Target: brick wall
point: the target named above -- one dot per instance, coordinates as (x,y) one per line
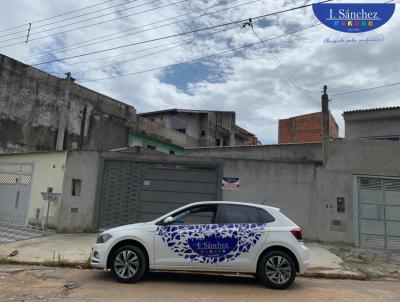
(305,129)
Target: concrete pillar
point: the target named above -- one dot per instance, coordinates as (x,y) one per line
(293,136)
(64,114)
(232,138)
(325,125)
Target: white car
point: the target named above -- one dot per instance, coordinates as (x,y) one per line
(212,236)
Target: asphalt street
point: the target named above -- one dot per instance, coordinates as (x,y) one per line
(26,283)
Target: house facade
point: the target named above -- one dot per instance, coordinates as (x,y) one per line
(377,123)
(202,128)
(40,112)
(352,197)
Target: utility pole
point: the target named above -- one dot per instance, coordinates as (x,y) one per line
(325,125)
(64,112)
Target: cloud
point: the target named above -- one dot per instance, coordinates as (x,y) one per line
(249,81)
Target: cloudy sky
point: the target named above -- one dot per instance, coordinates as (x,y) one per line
(248,81)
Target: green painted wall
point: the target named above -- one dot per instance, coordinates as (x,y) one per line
(140,140)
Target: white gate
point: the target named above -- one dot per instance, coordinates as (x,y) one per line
(379,212)
(15,181)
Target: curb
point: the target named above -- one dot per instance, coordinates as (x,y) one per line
(343,276)
(77,265)
(316,274)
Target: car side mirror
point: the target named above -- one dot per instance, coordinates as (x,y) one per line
(168,220)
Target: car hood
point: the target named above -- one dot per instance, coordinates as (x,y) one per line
(127,227)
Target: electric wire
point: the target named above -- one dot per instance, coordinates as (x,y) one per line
(56,16)
(192,60)
(79,45)
(284,70)
(151,53)
(365,89)
(94,24)
(201,58)
(71,18)
(174,35)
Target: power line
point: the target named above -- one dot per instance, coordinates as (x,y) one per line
(130,52)
(71,18)
(194,60)
(284,70)
(202,58)
(94,24)
(79,45)
(366,89)
(60,15)
(175,35)
(152,53)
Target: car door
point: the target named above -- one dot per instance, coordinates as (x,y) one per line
(247,226)
(187,242)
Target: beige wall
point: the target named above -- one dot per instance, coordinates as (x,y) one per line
(48,171)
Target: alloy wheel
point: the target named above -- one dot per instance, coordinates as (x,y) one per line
(126,264)
(278,269)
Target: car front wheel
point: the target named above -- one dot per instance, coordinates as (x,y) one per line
(128,264)
(276,269)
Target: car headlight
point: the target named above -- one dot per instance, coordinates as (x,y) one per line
(103,238)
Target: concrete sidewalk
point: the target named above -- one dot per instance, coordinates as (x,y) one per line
(326,264)
(74,249)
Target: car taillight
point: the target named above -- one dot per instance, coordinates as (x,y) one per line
(297,233)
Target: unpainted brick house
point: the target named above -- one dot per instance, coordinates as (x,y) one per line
(305,129)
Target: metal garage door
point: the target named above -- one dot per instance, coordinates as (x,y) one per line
(379,212)
(15,182)
(142,191)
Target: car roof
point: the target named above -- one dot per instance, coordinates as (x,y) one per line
(235,203)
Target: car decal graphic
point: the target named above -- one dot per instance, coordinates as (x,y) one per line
(211,243)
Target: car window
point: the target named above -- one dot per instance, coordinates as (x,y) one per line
(244,214)
(204,214)
(264,216)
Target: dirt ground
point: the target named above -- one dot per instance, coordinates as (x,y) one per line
(375,264)
(25,283)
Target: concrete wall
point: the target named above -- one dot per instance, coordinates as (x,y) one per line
(290,177)
(367,124)
(36,107)
(347,160)
(48,172)
(288,186)
(288,152)
(77,213)
(87,166)
(305,190)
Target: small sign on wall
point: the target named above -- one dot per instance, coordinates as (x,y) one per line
(232,183)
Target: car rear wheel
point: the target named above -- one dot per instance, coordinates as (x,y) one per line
(276,269)
(128,264)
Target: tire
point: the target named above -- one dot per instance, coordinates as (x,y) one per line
(128,264)
(276,269)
